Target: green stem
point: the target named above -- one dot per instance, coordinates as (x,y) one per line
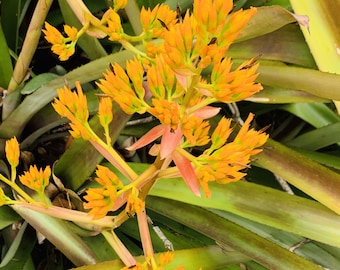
(146,239)
(133,13)
(191,89)
(17,189)
(68,214)
(119,248)
(30,43)
(110,154)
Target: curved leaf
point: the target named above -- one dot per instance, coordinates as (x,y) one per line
(227,233)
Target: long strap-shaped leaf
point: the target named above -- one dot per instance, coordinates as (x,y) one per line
(227,233)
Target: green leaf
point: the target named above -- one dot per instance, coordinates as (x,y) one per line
(266,20)
(36,82)
(8,217)
(6,69)
(277,95)
(251,201)
(20,250)
(311,250)
(56,231)
(315,82)
(286,44)
(310,177)
(17,120)
(316,114)
(318,138)
(210,257)
(230,234)
(10,12)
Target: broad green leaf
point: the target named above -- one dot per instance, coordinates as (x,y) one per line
(310,177)
(251,201)
(184,4)
(6,68)
(286,44)
(328,160)
(36,82)
(56,231)
(266,20)
(8,217)
(210,257)
(277,95)
(255,3)
(322,33)
(315,82)
(17,120)
(227,233)
(318,138)
(10,12)
(310,250)
(316,114)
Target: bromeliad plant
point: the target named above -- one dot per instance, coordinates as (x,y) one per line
(165,80)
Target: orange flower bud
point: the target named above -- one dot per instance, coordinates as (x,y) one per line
(12,152)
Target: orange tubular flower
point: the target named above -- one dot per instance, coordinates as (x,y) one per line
(223,161)
(12,152)
(134,204)
(195,131)
(64,47)
(166,111)
(158,20)
(114,25)
(119,4)
(231,86)
(105,111)
(73,105)
(179,44)
(117,85)
(101,200)
(211,22)
(36,179)
(52,35)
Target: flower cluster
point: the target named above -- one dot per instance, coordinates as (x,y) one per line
(101,200)
(35,179)
(178,95)
(172,87)
(62,46)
